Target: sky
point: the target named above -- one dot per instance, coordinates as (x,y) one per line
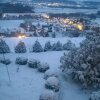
(58,0)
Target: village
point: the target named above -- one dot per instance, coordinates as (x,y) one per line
(45,25)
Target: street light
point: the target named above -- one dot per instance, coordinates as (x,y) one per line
(21,36)
(80,27)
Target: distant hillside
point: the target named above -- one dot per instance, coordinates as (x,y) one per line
(4,1)
(17,8)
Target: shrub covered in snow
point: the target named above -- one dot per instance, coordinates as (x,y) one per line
(5,61)
(21,60)
(50,73)
(68,46)
(48,95)
(37,47)
(43,67)
(4,48)
(20,48)
(33,63)
(84,62)
(52,83)
(95,96)
(47,46)
(57,46)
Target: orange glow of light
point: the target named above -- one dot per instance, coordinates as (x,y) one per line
(71,22)
(80,27)
(66,21)
(21,36)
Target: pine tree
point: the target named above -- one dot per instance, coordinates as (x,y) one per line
(4,48)
(47,46)
(57,46)
(37,47)
(20,48)
(84,62)
(68,46)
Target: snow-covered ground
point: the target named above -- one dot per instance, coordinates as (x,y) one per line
(10,24)
(27,83)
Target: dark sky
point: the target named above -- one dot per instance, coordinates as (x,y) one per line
(58,0)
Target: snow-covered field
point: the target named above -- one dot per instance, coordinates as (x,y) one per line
(10,24)
(27,83)
(15,24)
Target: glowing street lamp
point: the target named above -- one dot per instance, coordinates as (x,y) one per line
(46,16)
(71,22)
(80,27)
(66,21)
(21,36)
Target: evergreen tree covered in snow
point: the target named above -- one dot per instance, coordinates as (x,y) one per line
(47,46)
(68,46)
(95,95)
(20,48)
(37,47)
(57,46)
(84,62)
(4,48)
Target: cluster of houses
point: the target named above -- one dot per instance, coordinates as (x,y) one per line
(45,26)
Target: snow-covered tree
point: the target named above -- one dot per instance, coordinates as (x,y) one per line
(33,63)
(48,95)
(68,46)
(47,46)
(52,83)
(20,48)
(43,67)
(4,48)
(57,46)
(84,62)
(95,96)
(5,61)
(37,47)
(50,73)
(21,60)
